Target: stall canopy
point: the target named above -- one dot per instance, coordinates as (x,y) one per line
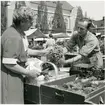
(34,33)
(60,35)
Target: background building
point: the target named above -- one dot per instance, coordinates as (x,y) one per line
(100,24)
(51,6)
(69,12)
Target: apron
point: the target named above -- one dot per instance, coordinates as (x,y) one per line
(11,94)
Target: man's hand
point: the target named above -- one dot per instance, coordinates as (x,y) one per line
(62,61)
(64,50)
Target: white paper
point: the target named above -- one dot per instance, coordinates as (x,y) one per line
(34,63)
(9,61)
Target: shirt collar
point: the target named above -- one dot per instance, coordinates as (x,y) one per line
(86,35)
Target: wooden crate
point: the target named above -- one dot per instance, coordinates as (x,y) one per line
(49,93)
(31,94)
(52,95)
(32,89)
(44,94)
(97,97)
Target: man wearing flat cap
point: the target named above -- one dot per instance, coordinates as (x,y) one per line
(88,46)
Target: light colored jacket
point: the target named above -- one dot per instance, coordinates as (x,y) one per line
(88,48)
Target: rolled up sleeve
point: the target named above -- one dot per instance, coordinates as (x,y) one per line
(88,47)
(71,43)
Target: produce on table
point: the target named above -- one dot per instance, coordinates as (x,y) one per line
(55,55)
(88,72)
(47,66)
(81,86)
(40,66)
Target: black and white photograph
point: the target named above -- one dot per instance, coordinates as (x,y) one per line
(52,52)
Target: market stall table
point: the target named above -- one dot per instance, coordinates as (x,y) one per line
(51,92)
(32,90)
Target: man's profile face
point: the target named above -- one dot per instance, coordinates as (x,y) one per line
(82,31)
